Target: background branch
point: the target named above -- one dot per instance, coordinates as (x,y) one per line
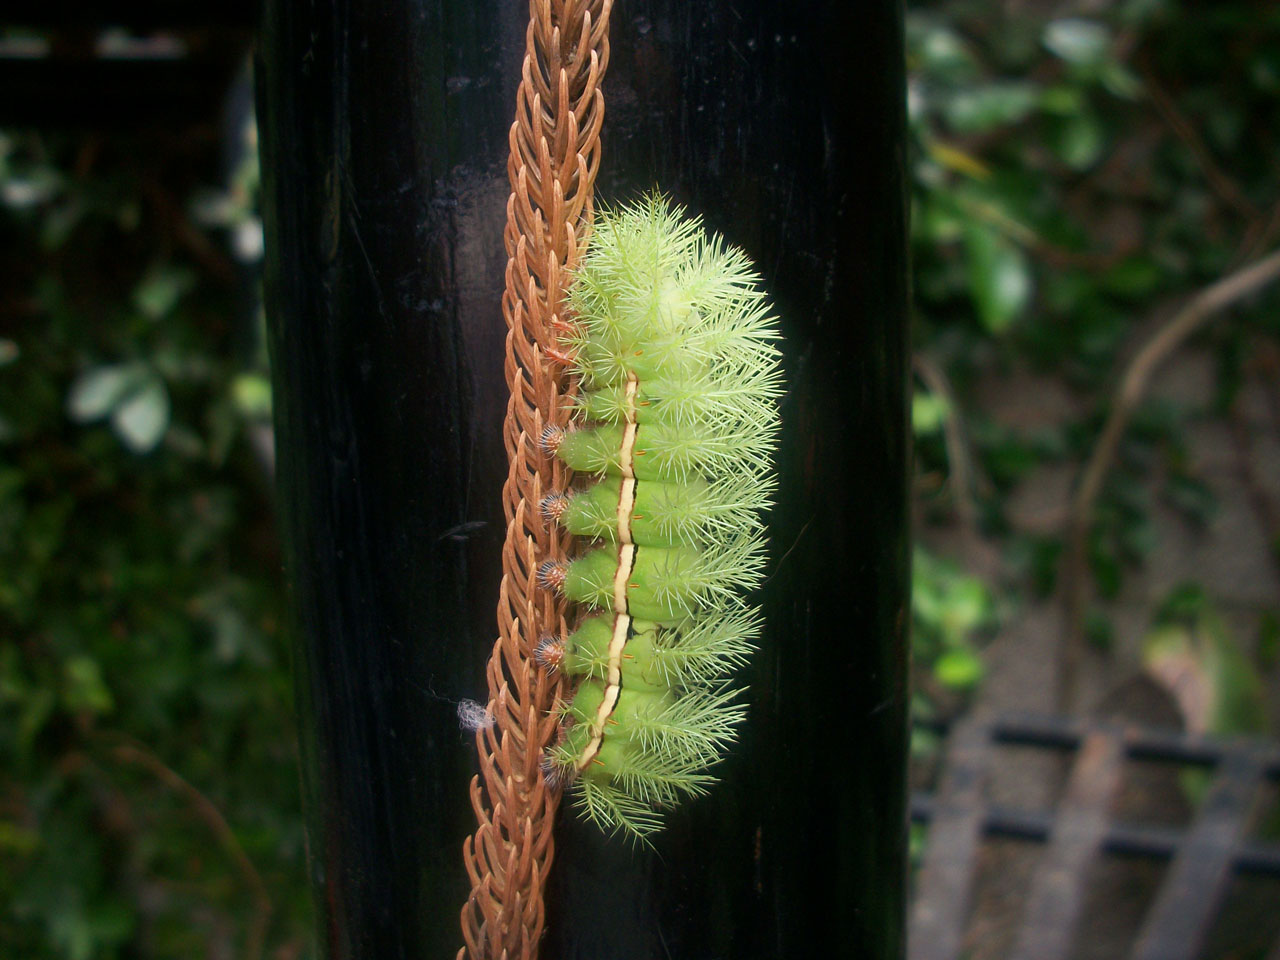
(960,478)
(1133,386)
(127,750)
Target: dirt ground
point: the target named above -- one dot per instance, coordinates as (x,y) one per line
(1229,556)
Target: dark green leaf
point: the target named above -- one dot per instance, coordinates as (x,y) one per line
(999,277)
(142,419)
(1078,41)
(97,391)
(985,108)
(160,290)
(959,669)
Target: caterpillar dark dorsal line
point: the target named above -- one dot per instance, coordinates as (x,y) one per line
(676,420)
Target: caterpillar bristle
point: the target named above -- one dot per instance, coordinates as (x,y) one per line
(553,506)
(552,437)
(676,416)
(551,575)
(704,650)
(614,811)
(549,653)
(695,728)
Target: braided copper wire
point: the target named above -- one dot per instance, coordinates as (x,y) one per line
(555,152)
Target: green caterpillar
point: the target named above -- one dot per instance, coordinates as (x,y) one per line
(676,418)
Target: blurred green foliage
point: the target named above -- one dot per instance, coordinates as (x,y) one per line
(1071,177)
(148,787)
(1194,654)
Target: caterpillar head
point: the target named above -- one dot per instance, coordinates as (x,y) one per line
(556,771)
(552,574)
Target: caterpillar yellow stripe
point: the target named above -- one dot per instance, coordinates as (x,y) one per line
(675,426)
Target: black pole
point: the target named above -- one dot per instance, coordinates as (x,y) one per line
(384,147)
(384,191)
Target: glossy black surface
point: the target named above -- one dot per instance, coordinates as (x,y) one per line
(384,148)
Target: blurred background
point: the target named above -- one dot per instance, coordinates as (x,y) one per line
(1097,422)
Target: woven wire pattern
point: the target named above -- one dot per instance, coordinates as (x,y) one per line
(555,153)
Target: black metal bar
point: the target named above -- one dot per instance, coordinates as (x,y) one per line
(951,856)
(383,192)
(1058,885)
(1141,743)
(1061,733)
(1177,923)
(1121,840)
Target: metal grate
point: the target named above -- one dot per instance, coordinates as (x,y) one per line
(1204,857)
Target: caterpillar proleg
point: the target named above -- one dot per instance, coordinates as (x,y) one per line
(676,420)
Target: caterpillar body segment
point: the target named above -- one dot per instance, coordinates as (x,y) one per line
(666,584)
(667,452)
(717,397)
(692,653)
(665,514)
(675,423)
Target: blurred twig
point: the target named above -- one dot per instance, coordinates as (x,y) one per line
(1265,508)
(1034,243)
(197,244)
(961,466)
(128,750)
(1258,235)
(1133,385)
(1227,190)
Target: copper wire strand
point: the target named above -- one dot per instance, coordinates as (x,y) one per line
(554,155)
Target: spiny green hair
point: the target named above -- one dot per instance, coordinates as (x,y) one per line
(656,295)
(659,753)
(676,424)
